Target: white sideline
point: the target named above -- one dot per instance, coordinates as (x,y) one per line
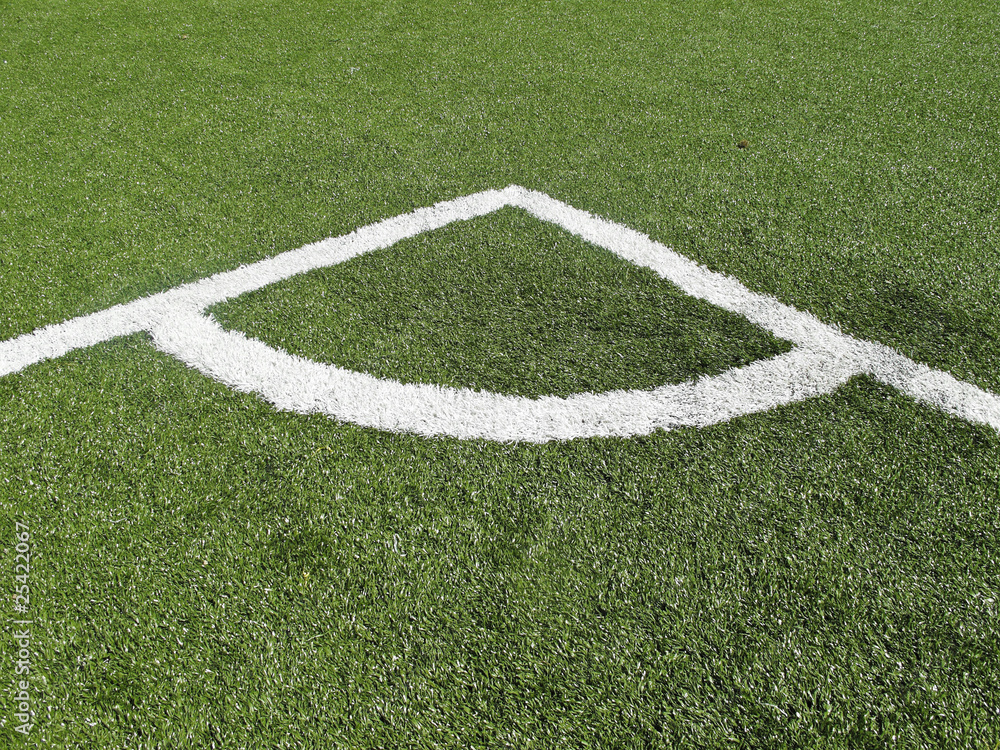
(823,358)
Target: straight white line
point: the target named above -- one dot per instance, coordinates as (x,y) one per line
(61,338)
(718,289)
(933,387)
(122,320)
(918,381)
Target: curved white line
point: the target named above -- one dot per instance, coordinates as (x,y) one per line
(300,385)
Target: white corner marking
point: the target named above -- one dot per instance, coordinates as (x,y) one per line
(822,360)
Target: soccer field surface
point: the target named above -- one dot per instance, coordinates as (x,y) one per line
(807,556)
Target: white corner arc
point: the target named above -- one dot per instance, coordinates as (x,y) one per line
(822,359)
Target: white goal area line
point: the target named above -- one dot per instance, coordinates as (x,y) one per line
(823,358)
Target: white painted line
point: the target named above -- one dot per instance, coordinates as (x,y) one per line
(823,358)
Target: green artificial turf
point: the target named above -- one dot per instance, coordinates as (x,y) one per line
(502,303)
(210,572)
(149,145)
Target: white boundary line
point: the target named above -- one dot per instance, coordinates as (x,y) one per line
(823,358)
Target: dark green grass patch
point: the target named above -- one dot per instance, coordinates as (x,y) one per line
(209,570)
(502,303)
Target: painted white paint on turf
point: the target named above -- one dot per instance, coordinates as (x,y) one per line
(823,358)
